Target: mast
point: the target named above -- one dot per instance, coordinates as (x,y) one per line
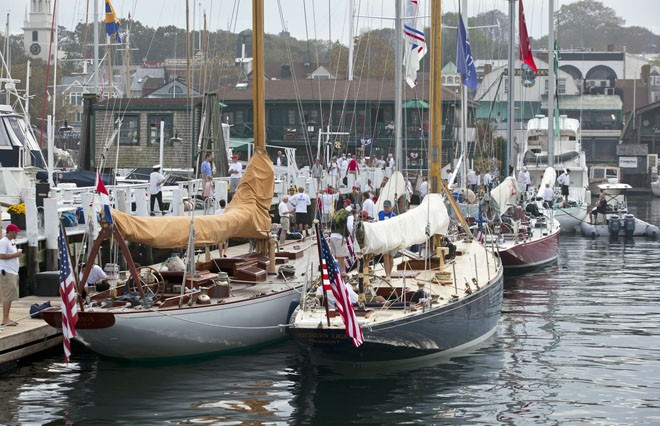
(259,110)
(96,47)
(398,84)
(351,44)
(510,95)
(551,85)
(464,100)
(435,98)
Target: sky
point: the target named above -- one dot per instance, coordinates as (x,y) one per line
(321,19)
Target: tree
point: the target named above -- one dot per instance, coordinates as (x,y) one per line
(587,23)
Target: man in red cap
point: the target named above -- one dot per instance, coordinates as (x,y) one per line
(9,255)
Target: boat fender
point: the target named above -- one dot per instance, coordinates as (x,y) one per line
(292,307)
(652,231)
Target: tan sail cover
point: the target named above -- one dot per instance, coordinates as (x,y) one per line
(244,217)
(408,228)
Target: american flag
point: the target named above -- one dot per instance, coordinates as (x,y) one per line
(332,281)
(415,43)
(68,293)
(349,260)
(481,235)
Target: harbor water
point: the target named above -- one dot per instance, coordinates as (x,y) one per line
(578,343)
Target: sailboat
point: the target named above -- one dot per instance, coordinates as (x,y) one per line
(233,304)
(440,300)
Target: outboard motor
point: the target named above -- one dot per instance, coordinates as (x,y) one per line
(629,225)
(614,225)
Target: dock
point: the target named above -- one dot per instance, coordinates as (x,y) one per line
(31,335)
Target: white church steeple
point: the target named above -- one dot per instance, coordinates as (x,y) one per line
(36,29)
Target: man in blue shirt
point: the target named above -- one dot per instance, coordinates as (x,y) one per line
(388,258)
(206,166)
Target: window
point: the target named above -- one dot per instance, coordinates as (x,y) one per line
(561,85)
(130,129)
(656,80)
(176,91)
(76,98)
(153,138)
(291,117)
(35,36)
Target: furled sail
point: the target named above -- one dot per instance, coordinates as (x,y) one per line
(247,216)
(549,176)
(504,194)
(533,158)
(408,228)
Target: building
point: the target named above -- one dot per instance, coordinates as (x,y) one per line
(36,29)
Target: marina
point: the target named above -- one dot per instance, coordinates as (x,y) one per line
(576,344)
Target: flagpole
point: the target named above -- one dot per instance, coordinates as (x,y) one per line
(464,98)
(398,86)
(551,85)
(318,245)
(510,94)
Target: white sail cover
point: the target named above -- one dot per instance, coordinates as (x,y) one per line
(505,193)
(408,228)
(393,189)
(549,176)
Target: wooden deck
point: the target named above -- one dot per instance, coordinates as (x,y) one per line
(30,336)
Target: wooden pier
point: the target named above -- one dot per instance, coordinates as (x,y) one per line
(31,335)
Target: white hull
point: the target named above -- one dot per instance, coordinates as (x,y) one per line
(655,188)
(570,218)
(197,330)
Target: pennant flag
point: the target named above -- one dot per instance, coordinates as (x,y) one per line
(112,24)
(415,43)
(465,65)
(68,293)
(105,197)
(525,46)
(332,281)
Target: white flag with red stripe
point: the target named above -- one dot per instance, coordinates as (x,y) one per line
(332,278)
(105,197)
(415,43)
(68,294)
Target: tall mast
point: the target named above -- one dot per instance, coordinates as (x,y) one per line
(435,97)
(259,110)
(464,106)
(398,84)
(351,44)
(511,119)
(96,47)
(551,85)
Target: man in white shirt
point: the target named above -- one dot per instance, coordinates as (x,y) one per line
(9,255)
(548,196)
(352,295)
(343,166)
(368,205)
(488,181)
(328,198)
(300,201)
(524,179)
(390,161)
(423,188)
(564,180)
(97,277)
(285,222)
(235,172)
(333,172)
(472,180)
(368,187)
(156,180)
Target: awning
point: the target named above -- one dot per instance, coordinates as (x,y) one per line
(416,104)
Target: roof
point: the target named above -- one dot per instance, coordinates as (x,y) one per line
(327,90)
(147,103)
(587,102)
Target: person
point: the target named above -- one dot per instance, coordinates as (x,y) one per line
(343,165)
(368,205)
(368,187)
(9,255)
(564,180)
(524,180)
(209,187)
(472,180)
(206,166)
(317,172)
(352,295)
(300,201)
(235,171)
(382,163)
(156,180)
(390,161)
(601,207)
(333,172)
(548,196)
(423,188)
(355,196)
(97,277)
(390,128)
(280,160)
(222,245)
(285,214)
(338,234)
(488,182)
(353,168)
(388,258)
(328,198)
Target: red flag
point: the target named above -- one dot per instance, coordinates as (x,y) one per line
(67,291)
(525,46)
(105,197)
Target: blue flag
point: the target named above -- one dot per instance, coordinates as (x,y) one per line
(112,24)
(465,63)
